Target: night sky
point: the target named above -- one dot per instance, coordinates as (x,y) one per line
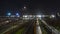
(33,6)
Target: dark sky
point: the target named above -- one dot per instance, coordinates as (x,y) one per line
(33,6)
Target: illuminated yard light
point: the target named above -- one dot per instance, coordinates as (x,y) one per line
(58,14)
(53,16)
(24,7)
(25,16)
(17,14)
(9,14)
(38,16)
